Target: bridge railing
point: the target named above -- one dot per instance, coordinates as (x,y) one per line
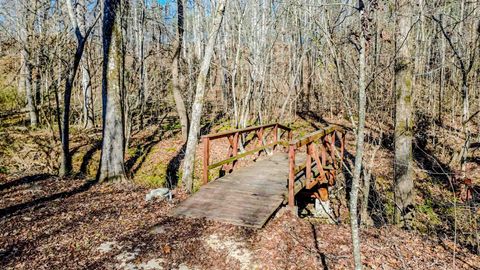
(267,137)
(322,161)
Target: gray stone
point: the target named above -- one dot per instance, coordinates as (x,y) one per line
(153,264)
(157,230)
(159,193)
(183,267)
(323,210)
(108,246)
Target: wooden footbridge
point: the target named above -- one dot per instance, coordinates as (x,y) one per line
(249,195)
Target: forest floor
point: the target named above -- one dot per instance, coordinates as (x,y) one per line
(59,223)
(49,222)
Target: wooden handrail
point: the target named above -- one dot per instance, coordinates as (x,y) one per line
(233,137)
(314,136)
(325,175)
(244,130)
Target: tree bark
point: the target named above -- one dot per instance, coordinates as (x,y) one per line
(32,110)
(359,145)
(66,159)
(24,23)
(88,115)
(403,170)
(113,144)
(139,18)
(188,166)
(176,88)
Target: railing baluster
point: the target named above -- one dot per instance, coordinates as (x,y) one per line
(342,147)
(234,139)
(324,153)
(309,164)
(291,178)
(315,154)
(206,158)
(332,148)
(275,134)
(235,149)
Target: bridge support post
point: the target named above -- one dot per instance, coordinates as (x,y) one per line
(206,158)
(291,178)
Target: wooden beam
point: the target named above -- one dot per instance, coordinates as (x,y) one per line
(244,154)
(314,136)
(244,130)
(291,177)
(206,157)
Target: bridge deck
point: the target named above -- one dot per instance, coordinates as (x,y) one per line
(246,197)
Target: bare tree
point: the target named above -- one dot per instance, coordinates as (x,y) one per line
(113,144)
(403,169)
(25,23)
(465,59)
(81,36)
(188,166)
(176,86)
(360,138)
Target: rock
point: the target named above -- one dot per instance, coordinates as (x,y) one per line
(108,246)
(324,211)
(235,249)
(183,267)
(157,230)
(153,264)
(160,193)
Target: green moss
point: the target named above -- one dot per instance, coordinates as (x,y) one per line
(8,96)
(172,126)
(156,177)
(131,151)
(3,170)
(408,84)
(427,208)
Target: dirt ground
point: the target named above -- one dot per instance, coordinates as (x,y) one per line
(54,223)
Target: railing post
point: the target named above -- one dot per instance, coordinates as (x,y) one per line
(324,153)
(332,148)
(275,133)
(260,137)
(291,178)
(235,148)
(206,158)
(342,148)
(309,164)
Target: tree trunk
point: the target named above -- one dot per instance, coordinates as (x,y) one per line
(32,110)
(465,124)
(113,143)
(66,159)
(359,146)
(176,88)
(403,171)
(188,166)
(88,120)
(140,57)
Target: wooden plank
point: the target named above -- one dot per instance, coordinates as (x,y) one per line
(214,207)
(261,183)
(236,202)
(246,197)
(216,210)
(239,220)
(264,193)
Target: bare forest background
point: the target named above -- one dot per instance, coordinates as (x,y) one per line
(121,91)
